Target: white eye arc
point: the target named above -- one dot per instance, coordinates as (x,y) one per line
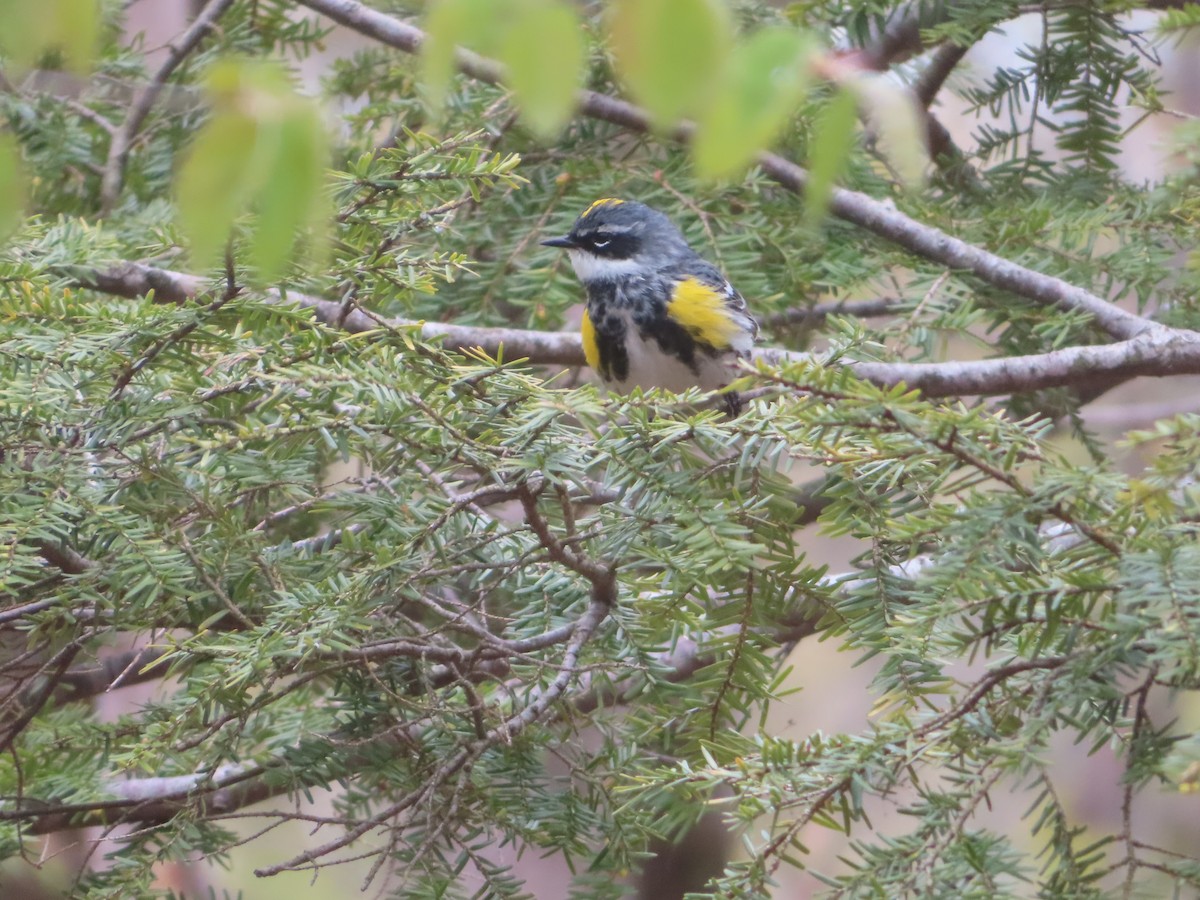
(601,243)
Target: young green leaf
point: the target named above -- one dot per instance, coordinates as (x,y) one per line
(451,23)
(833,137)
(264,146)
(893,115)
(762,84)
(216,181)
(544,51)
(12,185)
(291,196)
(670,52)
(29,28)
(76,31)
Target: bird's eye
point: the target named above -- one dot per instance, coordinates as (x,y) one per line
(601,243)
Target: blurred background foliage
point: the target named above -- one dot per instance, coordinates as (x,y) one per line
(485,631)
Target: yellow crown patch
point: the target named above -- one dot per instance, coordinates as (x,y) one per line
(603,201)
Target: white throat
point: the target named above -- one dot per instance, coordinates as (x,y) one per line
(590,267)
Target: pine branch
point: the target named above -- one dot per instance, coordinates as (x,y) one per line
(1157,351)
(134,280)
(149,801)
(873,215)
(154,800)
(1161,353)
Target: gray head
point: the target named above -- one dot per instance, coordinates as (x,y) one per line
(614,238)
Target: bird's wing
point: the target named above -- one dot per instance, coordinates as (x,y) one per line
(732,297)
(712,312)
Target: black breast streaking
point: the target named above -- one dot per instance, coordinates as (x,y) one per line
(603,309)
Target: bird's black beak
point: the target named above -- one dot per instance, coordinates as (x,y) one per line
(565,241)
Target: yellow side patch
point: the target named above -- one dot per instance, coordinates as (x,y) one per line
(591,350)
(603,201)
(702,312)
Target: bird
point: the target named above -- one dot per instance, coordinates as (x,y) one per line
(658,313)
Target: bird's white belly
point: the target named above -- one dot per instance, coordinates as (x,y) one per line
(651,367)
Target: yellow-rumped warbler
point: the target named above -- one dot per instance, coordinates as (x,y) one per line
(658,314)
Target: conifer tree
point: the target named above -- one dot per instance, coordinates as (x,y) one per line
(296,427)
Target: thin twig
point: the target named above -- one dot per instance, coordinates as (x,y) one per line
(198,564)
(122,140)
(32,704)
(181,332)
(818,312)
(1141,720)
(585,626)
(934,75)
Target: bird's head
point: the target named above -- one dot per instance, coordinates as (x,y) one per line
(619,238)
